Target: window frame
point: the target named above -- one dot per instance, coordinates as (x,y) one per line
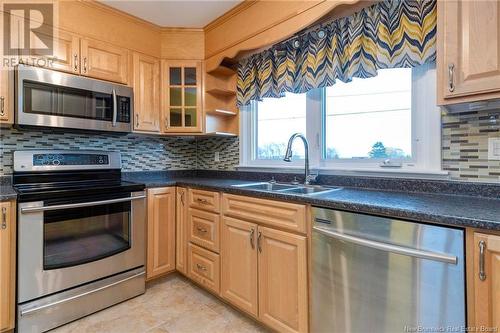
(425,136)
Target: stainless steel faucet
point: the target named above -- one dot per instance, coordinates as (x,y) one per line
(308,178)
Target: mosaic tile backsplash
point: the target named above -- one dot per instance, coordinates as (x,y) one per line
(228,149)
(139,152)
(465,145)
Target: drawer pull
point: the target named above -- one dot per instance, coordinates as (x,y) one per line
(482,273)
(4,218)
(259,239)
(201,267)
(202,201)
(85,65)
(252,232)
(200,229)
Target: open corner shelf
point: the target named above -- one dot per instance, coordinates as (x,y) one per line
(217,134)
(221,112)
(221,92)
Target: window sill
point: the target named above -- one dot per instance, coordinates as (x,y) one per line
(367,172)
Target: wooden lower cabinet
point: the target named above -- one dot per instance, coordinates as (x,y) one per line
(282,267)
(181,231)
(161,232)
(7,265)
(239,264)
(204,267)
(486,286)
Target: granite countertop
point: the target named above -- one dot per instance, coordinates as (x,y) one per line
(422,206)
(450,209)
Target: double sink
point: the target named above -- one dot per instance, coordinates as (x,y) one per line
(289,188)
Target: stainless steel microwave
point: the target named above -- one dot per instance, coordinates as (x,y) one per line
(53,99)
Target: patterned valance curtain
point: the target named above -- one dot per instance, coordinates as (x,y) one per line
(389,34)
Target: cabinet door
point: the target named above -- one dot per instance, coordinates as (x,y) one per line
(486,280)
(7,265)
(181,231)
(146,93)
(239,264)
(282,265)
(66,53)
(6,116)
(470,42)
(182,96)
(161,231)
(103,61)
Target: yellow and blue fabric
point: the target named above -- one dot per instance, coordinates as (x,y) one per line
(389,34)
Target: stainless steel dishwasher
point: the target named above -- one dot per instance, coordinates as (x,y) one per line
(374,274)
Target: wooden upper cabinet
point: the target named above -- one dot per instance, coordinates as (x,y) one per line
(239,264)
(146,82)
(182,96)
(283,280)
(486,260)
(161,231)
(468,61)
(7,265)
(103,61)
(66,54)
(181,231)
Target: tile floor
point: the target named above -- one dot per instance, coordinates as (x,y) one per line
(170,305)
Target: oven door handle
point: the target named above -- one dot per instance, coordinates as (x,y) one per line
(79,205)
(115,108)
(45,306)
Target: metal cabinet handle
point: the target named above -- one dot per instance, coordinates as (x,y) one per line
(200,229)
(2,106)
(4,218)
(182,198)
(202,201)
(201,267)
(115,108)
(76,62)
(85,65)
(137,120)
(451,85)
(166,122)
(252,232)
(259,245)
(482,273)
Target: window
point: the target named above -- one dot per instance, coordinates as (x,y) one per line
(369,118)
(388,122)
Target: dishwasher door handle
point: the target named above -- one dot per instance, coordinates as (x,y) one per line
(407,251)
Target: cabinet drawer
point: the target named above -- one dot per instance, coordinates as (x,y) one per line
(273,213)
(204,267)
(205,200)
(204,229)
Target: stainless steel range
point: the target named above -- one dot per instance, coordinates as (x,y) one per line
(81,236)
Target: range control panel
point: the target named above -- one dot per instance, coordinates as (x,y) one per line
(70,159)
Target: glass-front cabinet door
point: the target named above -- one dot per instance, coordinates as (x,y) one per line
(182,89)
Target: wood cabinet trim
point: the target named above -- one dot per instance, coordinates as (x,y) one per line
(278,214)
(8,267)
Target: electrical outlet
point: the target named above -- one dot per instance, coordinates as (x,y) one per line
(217,157)
(494,148)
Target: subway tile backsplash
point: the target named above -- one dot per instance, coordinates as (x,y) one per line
(139,152)
(465,145)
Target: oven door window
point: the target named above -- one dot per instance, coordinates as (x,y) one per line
(81,235)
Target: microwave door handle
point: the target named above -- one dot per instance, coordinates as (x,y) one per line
(115,108)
